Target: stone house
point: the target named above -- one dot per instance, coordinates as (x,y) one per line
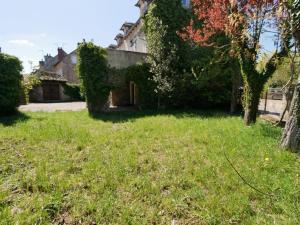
(133,38)
(55,72)
(131,48)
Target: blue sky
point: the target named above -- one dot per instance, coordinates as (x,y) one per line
(31,28)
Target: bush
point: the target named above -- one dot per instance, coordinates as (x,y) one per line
(28,83)
(10,83)
(283,73)
(140,74)
(73,91)
(93,72)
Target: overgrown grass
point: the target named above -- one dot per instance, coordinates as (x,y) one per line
(144,168)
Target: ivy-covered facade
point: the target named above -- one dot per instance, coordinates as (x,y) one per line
(133,37)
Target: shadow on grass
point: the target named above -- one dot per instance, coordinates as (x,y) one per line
(130,116)
(11,120)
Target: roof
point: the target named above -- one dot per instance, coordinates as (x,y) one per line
(119,36)
(112,46)
(49,76)
(126,24)
(132,28)
(52,61)
(139,1)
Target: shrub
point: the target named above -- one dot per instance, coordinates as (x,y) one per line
(73,91)
(10,83)
(28,83)
(93,72)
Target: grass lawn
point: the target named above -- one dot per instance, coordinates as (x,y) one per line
(142,168)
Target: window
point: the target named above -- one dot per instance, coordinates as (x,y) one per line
(133,43)
(74,59)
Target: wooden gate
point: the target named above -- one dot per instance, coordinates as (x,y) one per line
(51,91)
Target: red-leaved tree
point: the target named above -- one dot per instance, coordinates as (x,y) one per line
(244,22)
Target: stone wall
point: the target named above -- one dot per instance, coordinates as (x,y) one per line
(119,59)
(122,59)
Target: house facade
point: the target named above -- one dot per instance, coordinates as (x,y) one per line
(132,37)
(130,49)
(55,72)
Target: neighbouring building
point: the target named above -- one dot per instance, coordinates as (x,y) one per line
(54,73)
(133,37)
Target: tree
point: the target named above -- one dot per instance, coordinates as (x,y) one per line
(216,75)
(10,83)
(167,53)
(93,72)
(243,22)
(291,134)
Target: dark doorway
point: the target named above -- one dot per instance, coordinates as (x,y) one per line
(51,91)
(132,93)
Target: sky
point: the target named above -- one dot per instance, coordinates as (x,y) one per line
(30,29)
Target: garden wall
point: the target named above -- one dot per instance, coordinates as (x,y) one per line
(122,59)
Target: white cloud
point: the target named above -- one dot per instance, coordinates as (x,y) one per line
(21,42)
(42,35)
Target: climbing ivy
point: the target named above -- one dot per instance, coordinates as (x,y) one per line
(28,83)
(93,70)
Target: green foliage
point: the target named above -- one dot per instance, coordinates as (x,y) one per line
(283,73)
(28,83)
(140,74)
(167,53)
(185,75)
(213,81)
(10,83)
(145,168)
(93,69)
(73,91)
(255,77)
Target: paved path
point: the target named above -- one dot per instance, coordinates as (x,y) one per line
(274,110)
(275,107)
(52,107)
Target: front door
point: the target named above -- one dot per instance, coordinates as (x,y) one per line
(51,91)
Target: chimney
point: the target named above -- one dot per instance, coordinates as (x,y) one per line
(48,59)
(60,54)
(42,64)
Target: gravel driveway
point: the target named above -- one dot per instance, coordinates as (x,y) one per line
(52,107)
(274,107)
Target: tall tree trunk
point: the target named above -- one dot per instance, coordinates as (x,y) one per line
(236,83)
(251,108)
(291,134)
(254,82)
